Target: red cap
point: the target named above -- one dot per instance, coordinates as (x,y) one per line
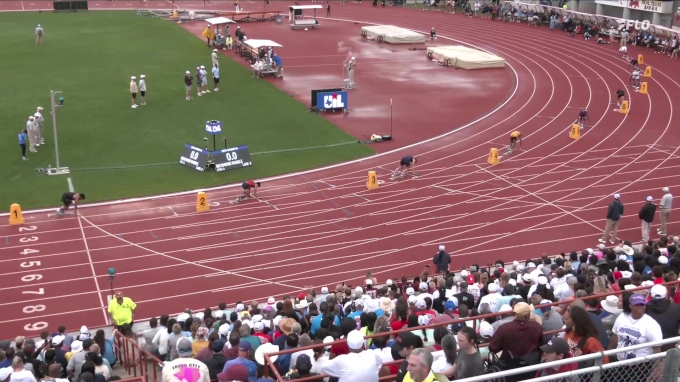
(471,279)
(617,275)
(301,296)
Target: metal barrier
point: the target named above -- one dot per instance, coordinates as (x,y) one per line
(133,358)
(657,367)
(270,369)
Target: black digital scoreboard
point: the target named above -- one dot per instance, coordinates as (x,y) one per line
(231,158)
(195,158)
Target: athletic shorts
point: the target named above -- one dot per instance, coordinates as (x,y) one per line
(513,139)
(405,162)
(634,62)
(188,87)
(245,186)
(67,202)
(216,81)
(143,93)
(134,95)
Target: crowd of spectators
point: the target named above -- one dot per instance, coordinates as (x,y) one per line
(595,310)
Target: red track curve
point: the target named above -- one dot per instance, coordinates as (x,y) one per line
(324,227)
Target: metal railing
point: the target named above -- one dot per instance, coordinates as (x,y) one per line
(663,366)
(135,359)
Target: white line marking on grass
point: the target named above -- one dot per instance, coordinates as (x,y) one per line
(70,184)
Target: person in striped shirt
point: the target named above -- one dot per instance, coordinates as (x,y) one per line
(133,91)
(142,89)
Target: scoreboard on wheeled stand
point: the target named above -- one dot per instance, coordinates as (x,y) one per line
(225,159)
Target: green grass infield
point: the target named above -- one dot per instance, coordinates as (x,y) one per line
(115,151)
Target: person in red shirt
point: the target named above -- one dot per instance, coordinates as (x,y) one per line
(247,186)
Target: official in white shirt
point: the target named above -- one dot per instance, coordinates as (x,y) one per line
(216,75)
(39,33)
(142,89)
(214,57)
(358,365)
(41,121)
(32,135)
(133,92)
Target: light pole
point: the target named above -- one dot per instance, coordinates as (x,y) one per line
(58,170)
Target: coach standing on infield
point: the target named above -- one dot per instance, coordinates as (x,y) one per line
(142,89)
(188,80)
(614,214)
(133,91)
(39,32)
(32,135)
(665,207)
(646,216)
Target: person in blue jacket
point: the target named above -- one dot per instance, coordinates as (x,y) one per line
(23,135)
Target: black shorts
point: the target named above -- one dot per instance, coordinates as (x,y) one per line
(634,62)
(134,95)
(67,202)
(405,162)
(513,139)
(620,94)
(143,93)
(245,186)
(216,81)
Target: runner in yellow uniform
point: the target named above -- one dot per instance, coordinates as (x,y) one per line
(514,136)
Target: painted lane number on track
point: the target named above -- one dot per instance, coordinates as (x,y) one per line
(31,309)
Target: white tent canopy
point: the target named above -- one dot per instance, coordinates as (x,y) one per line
(306,7)
(220,20)
(260,43)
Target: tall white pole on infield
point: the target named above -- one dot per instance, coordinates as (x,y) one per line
(58,170)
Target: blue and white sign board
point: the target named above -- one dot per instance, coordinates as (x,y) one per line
(330,100)
(213,127)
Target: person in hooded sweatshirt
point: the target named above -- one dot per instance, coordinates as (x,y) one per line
(665,313)
(442,260)
(555,350)
(19,374)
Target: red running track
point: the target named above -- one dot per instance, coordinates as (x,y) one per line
(324,227)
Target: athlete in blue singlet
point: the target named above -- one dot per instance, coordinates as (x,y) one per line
(407,163)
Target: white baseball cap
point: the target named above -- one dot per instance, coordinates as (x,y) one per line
(142,76)
(410,291)
(665,189)
(617,196)
(355,340)
(324,290)
(188,72)
(214,50)
(649,199)
(441,247)
(133,77)
(659,292)
(40,108)
(202,67)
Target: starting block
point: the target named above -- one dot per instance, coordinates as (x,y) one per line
(493,157)
(641,59)
(15,215)
(575,132)
(372,181)
(202,202)
(624,107)
(648,72)
(643,88)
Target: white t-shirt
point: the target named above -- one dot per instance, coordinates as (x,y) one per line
(216,72)
(492,300)
(22,376)
(636,75)
(635,332)
(623,49)
(30,125)
(214,56)
(185,370)
(354,367)
(142,85)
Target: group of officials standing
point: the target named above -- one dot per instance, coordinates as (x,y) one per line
(646,216)
(33,133)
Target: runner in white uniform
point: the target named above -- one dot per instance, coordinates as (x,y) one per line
(623,51)
(635,79)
